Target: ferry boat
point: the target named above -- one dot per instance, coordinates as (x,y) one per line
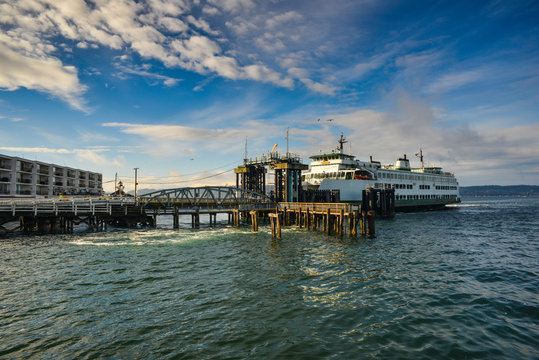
(426,187)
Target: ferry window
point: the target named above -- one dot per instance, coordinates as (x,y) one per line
(348,175)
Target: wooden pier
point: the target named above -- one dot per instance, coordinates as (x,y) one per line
(60,216)
(337,219)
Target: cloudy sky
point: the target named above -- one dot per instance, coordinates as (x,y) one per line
(174,87)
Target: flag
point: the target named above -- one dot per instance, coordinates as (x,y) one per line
(274,147)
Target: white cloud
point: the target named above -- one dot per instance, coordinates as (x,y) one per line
(233,5)
(84,155)
(210,10)
(319,87)
(173,25)
(454,80)
(281,19)
(30,59)
(142,71)
(168,31)
(93,137)
(94,157)
(183,133)
(44,74)
(36,149)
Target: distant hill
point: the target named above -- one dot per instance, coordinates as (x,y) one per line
(497,190)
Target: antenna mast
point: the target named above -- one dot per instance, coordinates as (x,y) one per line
(245,153)
(420,154)
(287,141)
(342,141)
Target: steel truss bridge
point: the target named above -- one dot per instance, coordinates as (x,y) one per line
(216,198)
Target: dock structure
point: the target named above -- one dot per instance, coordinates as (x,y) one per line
(287,172)
(337,219)
(60,216)
(240,205)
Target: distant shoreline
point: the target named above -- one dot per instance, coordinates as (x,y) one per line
(500,191)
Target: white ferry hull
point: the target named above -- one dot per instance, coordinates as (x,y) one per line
(405,199)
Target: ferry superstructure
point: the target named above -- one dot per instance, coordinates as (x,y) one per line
(423,187)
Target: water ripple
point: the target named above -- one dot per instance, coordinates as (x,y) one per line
(452,284)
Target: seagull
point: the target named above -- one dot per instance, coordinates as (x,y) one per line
(329,120)
(318,120)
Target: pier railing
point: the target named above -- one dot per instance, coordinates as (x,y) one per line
(86,206)
(321,207)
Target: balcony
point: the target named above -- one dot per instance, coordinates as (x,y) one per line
(24,181)
(70,174)
(43,170)
(58,183)
(4,179)
(5,165)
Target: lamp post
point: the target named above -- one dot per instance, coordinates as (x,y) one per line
(136,183)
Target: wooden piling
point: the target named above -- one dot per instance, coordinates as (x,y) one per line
(254,220)
(275,225)
(371,221)
(363,224)
(328,221)
(341,223)
(176,218)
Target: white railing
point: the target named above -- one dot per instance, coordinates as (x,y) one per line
(74,206)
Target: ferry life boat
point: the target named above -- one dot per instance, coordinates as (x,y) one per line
(423,187)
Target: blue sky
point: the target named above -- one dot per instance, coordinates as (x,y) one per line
(174,87)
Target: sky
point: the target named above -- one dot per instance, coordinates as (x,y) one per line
(180,89)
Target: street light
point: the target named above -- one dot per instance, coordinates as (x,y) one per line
(136,183)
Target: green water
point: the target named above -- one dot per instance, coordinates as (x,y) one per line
(453,284)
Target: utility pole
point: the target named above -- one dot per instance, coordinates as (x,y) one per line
(136,183)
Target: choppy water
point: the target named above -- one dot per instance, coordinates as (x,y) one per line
(460,283)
